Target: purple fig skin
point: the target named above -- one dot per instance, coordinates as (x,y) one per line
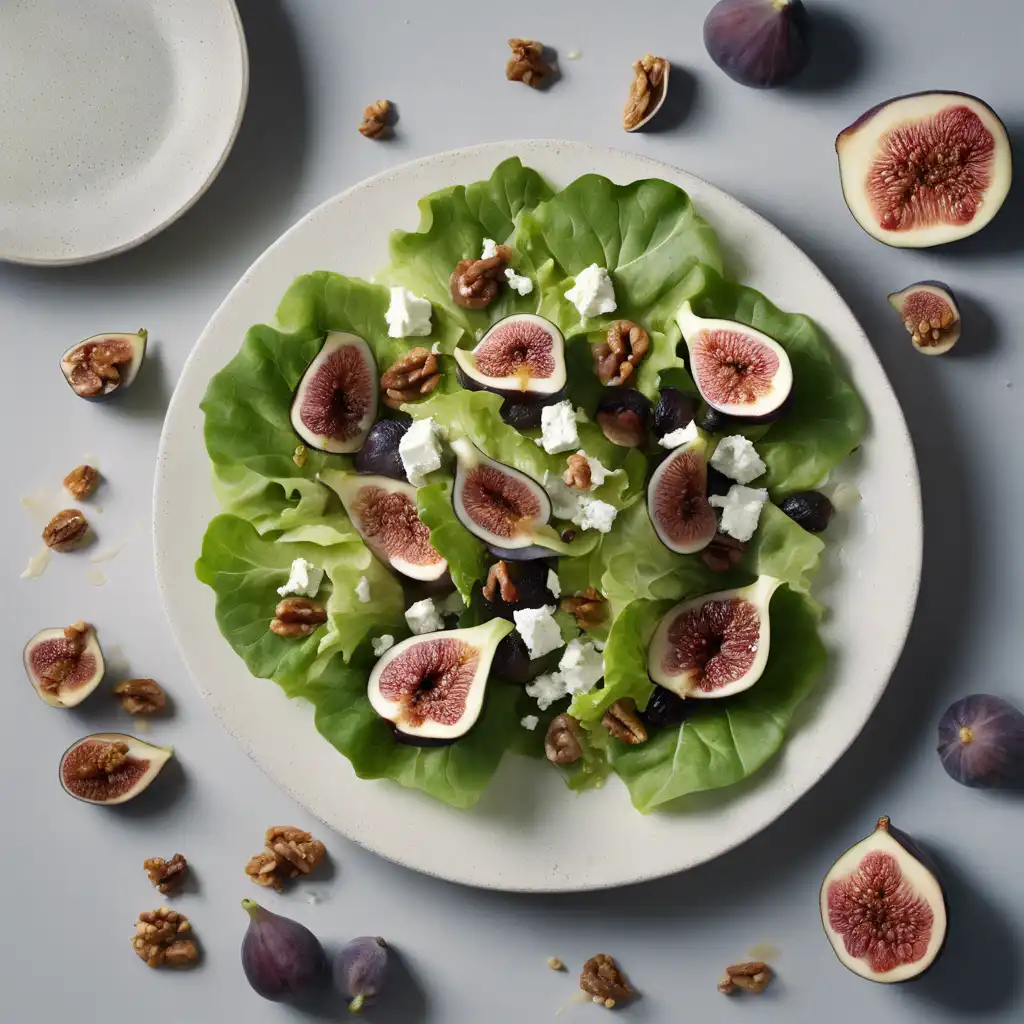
(981,743)
(360,969)
(758,43)
(527,554)
(281,958)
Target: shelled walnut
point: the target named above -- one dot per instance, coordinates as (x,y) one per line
(164,937)
(290,852)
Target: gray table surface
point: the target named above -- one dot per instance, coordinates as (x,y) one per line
(72,878)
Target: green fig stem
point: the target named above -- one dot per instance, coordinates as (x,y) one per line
(357,1004)
(254,910)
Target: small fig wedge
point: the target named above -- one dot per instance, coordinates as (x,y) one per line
(431,687)
(624,416)
(110,767)
(930,314)
(105,363)
(714,646)
(677,500)
(64,665)
(384,512)
(335,402)
(883,908)
(739,371)
(521,355)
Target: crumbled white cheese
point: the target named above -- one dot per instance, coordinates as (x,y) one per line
(420,451)
(435,349)
(737,458)
(593,293)
(546,689)
(581,416)
(581,667)
(383,643)
(453,604)
(598,471)
(530,722)
(490,249)
(577,506)
(565,500)
(538,629)
(558,428)
(741,510)
(363,590)
(596,515)
(517,282)
(553,583)
(684,435)
(423,617)
(408,315)
(303,581)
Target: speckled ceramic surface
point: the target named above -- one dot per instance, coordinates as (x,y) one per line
(115,116)
(529,832)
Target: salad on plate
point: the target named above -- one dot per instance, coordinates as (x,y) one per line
(546,487)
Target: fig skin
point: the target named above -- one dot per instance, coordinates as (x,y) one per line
(674,411)
(981,742)
(624,416)
(361,970)
(758,43)
(525,414)
(379,454)
(281,958)
(810,509)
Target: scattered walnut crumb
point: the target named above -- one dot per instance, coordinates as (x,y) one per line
(602,979)
(81,482)
(555,963)
(527,64)
(376,120)
(166,875)
(141,696)
(753,976)
(164,937)
(290,852)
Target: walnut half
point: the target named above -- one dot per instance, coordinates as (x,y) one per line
(753,976)
(290,852)
(166,875)
(602,980)
(164,937)
(376,120)
(527,64)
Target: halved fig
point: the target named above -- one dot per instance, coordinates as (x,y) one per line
(883,908)
(104,363)
(522,354)
(714,646)
(677,500)
(495,502)
(64,665)
(738,371)
(384,512)
(110,767)
(431,687)
(335,402)
(930,315)
(925,169)
(624,416)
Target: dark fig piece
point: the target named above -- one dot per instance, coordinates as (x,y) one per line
(281,958)
(760,43)
(104,363)
(883,908)
(674,411)
(930,315)
(714,646)
(981,742)
(712,421)
(525,415)
(738,371)
(110,767)
(925,169)
(512,660)
(379,454)
(677,500)
(495,502)
(64,665)
(361,969)
(528,581)
(809,509)
(624,416)
(431,687)
(384,512)
(666,708)
(335,402)
(519,356)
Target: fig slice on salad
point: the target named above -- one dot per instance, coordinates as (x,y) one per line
(930,315)
(714,646)
(521,356)
(624,416)
(110,767)
(925,169)
(384,512)
(64,665)
(104,363)
(495,502)
(739,371)
(677,500)
(431,687)
(335,402)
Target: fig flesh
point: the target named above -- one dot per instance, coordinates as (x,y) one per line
(379,455)
(624,416)
(361,969)
(64,665)
(930,315)
(521,355)
(677,500)
(739,371)
(335,402)
(384,512)
(759,43)
(432,686)
(104,363)
(925,169)
(714,646)
(281,958)
(981,742)
(495,502)
(883,908)
(110,767)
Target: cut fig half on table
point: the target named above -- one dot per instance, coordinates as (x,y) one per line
(930,315)
(64,665)
(110,767)
(105,363)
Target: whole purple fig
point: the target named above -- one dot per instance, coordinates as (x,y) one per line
(360,969)
(282,959)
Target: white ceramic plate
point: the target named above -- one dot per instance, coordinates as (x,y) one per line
(529,832)
(115,117)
